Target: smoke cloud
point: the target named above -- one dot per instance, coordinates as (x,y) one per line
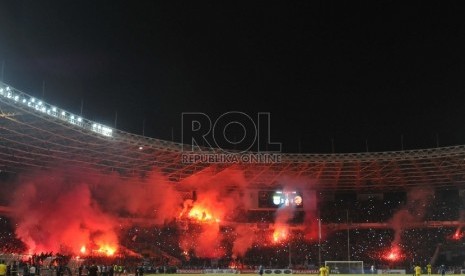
(64,211)
(414,210)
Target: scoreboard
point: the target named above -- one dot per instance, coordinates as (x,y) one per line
(276,199)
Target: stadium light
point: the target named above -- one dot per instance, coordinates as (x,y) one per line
(14,95)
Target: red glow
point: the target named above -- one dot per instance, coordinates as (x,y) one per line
(82,213)
(233,265)
(393,255)
(103,249)
(107,250)
(79,221)
(457,235)
(280,233)
(201,215)
(208,211)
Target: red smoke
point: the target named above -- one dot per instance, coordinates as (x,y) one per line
(285,214)
(57,213)
(281,227)
(64,211)
(215,203)
(394,254)
(414,210)
(280,233)
(245,238)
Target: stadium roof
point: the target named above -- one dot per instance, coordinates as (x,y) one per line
(34,134)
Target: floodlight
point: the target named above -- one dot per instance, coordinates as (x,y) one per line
(39,105)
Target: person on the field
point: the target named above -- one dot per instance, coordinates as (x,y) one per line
(32,270)
(260,270)
(323,270)
(417,270)
(3,268)
(428,269)
(327,270)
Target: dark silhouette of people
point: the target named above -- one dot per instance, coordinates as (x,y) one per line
(14,269)
(93,270)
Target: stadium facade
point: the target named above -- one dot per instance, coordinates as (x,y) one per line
(37,136)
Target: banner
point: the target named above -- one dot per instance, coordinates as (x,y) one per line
(283,271)
(189,271)
(219,271)
(277,271)
(305,271)
(391,271)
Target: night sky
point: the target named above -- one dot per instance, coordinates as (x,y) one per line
(356,73)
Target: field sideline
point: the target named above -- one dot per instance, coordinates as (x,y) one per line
(249,274)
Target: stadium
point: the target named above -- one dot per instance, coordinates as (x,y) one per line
(87,191)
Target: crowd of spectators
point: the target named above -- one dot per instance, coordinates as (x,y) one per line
(8,241)
(418,245)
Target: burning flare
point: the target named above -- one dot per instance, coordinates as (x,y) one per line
(393,255)
(457,235)
(280,234)
(198,212)
(106,250)
(201,215)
